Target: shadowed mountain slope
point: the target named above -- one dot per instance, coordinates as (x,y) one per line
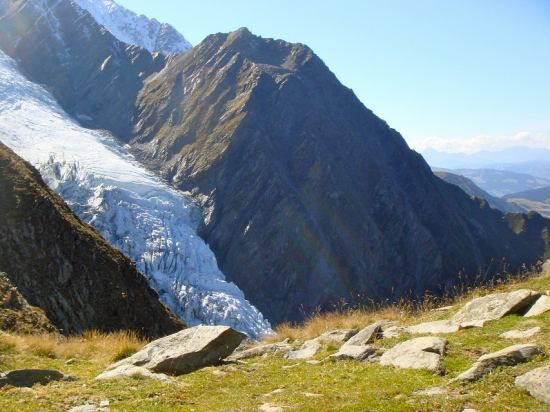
(64,267)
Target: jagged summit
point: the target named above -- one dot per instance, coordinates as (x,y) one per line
(130,28)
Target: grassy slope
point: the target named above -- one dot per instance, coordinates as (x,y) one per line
(330,385)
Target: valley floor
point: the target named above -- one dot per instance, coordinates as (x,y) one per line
(291,384)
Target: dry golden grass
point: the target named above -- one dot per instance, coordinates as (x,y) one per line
(92,345)
(403,311)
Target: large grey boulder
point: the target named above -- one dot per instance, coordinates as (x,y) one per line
(496,306)
(509,356)
(541,306)
(278,347)
(537,382)
(358,346)
(419,353)
(185,351)
(30,377)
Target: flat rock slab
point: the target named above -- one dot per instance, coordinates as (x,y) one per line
(520,334)
(267,407)
(186,351)
(366,335)
(355,352)
(541,306)
(512,355)
(307,350)
(275,348)
(27,378)
(537,383)
(496,306)
(338,335)
(419,353)
(131,371)
(435,327)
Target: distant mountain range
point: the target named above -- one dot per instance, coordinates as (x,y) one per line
(524,160)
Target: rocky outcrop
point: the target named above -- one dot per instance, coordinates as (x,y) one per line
(537,383)
(307,350)
(261,350)
(419,353)
(509,356)
(496,306)
(64,267)
(16,315)
(183,352)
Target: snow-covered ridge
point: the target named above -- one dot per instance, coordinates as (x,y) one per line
(130,28)
(150,222)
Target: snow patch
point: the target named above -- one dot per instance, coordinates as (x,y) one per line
(130,28)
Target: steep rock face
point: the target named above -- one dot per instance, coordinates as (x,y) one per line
(473,190)
(64,267)
(308,196)
(130,28)
(94,76)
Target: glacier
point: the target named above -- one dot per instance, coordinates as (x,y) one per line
(130,28)
(152,223)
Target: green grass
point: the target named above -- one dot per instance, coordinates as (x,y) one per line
(327,386)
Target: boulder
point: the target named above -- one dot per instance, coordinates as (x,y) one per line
(366,335)
(131,371)
(509,356)
(338,335)
(307,350)
(278,347)
(419,353)
(520,334)
(435,327)
(355,352)
(29,377)
(393,332)
(496,306)
(541,306)
(537,383)
(185,351)
(267,407)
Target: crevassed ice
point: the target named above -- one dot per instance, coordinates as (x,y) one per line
(135,211)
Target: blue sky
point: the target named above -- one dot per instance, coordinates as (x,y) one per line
(456,75)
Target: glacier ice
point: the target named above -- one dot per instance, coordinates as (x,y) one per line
(130,28)
(134,210)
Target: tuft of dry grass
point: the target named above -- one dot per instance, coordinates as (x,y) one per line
(92,345)
(402,311)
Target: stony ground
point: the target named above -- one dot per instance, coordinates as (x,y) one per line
(272,382)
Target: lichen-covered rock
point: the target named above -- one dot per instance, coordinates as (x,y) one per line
(337,335)
(419,353)
(435,327)
(537,382)
(496,306)
(185,351)
(509,356)
(356,352)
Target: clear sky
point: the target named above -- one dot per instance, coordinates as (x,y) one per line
(455,75)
